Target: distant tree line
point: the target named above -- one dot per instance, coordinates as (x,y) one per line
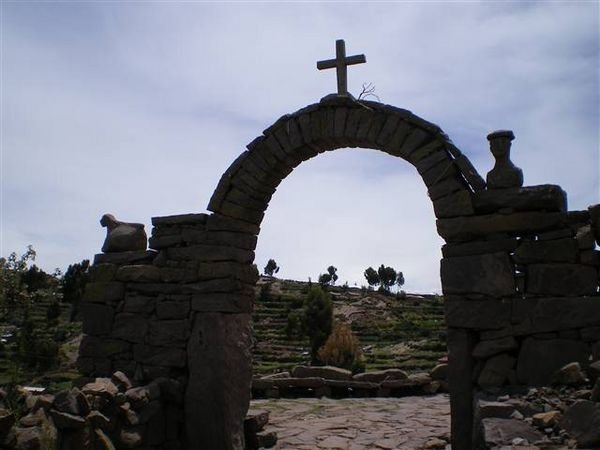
(385,277)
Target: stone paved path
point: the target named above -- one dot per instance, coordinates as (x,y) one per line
(359,423)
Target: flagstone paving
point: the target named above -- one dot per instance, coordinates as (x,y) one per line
(406,423)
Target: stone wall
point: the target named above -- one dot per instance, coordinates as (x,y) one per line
(519,272)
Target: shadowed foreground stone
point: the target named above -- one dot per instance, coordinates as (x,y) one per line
(220,376)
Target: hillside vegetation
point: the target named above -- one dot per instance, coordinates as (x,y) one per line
(395,331)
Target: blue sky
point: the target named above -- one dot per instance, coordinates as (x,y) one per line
(136,108)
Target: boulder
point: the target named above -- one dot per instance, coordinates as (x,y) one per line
(326,372)
(101,387)
(582,421)
(546,419)
(496,370)
(378,376)
(486,348)
(570,375)
(439,372)
(497,432)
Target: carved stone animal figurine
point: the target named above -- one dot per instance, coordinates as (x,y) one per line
(122,236)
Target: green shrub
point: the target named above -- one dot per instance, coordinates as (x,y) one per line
(294,327)
(318,318)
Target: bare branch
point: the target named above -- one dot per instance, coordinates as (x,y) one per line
(368,90)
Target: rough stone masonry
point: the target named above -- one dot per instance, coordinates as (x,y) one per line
(519,272)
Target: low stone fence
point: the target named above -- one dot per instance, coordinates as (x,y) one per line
(334,382)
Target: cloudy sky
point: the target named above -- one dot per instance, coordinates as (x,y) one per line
(136,108)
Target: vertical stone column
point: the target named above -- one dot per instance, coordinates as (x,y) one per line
(220,379)
(460,375)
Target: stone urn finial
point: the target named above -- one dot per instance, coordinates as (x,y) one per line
(122,236)
(504,174)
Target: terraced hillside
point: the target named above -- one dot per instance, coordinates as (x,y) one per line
(406,333)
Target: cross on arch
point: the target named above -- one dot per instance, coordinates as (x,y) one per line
(341,63)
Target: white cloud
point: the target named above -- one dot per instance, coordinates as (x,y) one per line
(137,109)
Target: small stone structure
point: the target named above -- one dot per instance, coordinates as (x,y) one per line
(519,272)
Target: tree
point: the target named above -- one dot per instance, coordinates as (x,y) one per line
(372,277)
(400,279)
(330,277)
(318,319)
(73,285)
(271,268)
(387,277)
(14,294)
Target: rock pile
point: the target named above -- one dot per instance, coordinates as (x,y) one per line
(98,414)
(566,415)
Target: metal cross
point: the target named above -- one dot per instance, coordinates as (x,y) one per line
(341,63)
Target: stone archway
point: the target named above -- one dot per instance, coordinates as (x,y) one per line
(247,186)
(517,268)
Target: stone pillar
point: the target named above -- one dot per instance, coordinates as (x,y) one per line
(460,376)
(220,379)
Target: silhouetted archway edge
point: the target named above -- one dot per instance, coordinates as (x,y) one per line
(246,187)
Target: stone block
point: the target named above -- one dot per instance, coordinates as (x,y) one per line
(532,198)
(130,327)
(132,257)
(539,315)
(160,242)
(378,376)
(424,164)
(562,279)
(439,172)
(173,307)
(243,272)
(226,303)
(139,304)
(453,205)
(426,150)
(486,348)
(477,314)
(240,197)
(490,274)
(97,319)
(540,359)
(241,213)
(104,292)
(160,356)
(496,370)
(139,273)
(555,234)
(94,347)
(394,145)
(327,372)
(415,139)
(180,219)
(217,222)
(559,250)
(445,187)
(388,129)
(103,272)
(467,228)
(204,253)
(232,239)
(168,333)
(480,247)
